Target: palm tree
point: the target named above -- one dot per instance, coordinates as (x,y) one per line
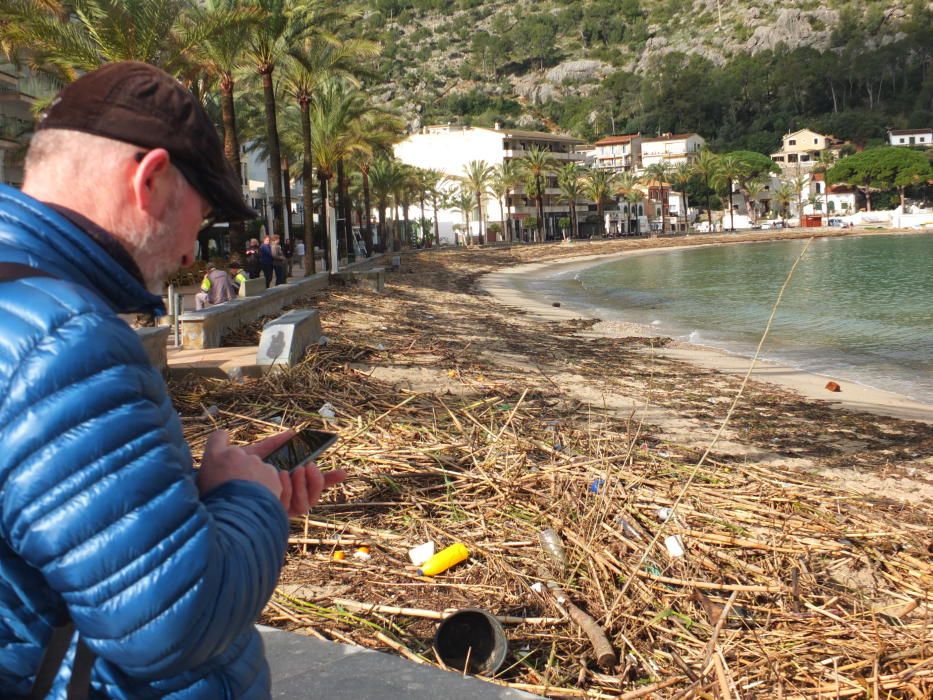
(476,178)
(798,184)
(784,196)
(730,169)
(383,174)
(436,181)
(462,201)
(824,161)
(706,166)
(283,25)
(682,175)
(598,186)
(508,177)
(499,189)
(753,190)
(535,166)
(335,135)
(659,173)
(626,185)
(80,36)
(570,181)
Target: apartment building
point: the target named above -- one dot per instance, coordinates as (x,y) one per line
(671,149)
(618,153)
(801,149)
(448,148)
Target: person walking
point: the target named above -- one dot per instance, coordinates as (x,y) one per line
(124,570)
(278,260)
(266,261)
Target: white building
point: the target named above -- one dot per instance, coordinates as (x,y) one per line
(256,178)
(911,137)
(672,149)
(619,153)
(449,148)
(801,149)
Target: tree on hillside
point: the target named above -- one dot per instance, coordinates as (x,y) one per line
(598,186)
(476,178)
(570,182)
(880,169)
(535,166)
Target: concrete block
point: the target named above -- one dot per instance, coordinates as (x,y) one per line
(285,340)
(253,287)
(304,668)
(155,339)
(373,278)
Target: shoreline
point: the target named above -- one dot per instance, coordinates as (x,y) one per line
(502,286)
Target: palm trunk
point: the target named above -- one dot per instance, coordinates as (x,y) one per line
(437,228)
(232,153)
(383,232)
(505,237)
(574,229)
(731,209)
(479,214)
(367,211)
(539,199)
(275,158)
(286,184)
(344,208)
(683,200)
(407,228)
(307,188)
(508,216)
(397,234)
(322,180)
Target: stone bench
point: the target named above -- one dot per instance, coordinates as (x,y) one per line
(285,340)
(155,340)
(252,287)
(205,329)
(373,278)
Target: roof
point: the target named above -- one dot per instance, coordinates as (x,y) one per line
(671,137)
(613,140)
(541,135)
(907,132)
(800,131)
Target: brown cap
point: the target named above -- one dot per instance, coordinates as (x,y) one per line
(142,105)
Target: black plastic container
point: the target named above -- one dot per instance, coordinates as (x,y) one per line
(471,636)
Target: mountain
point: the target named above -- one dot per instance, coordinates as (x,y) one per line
(740,72)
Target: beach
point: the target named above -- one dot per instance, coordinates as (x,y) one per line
(468,415)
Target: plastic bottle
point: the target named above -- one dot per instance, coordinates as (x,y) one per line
(551,544)
(444,559)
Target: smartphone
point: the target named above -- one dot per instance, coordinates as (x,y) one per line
(301,449)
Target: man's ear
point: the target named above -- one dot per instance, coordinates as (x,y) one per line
(152,182)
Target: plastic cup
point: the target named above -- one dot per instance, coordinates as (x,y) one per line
(471,640)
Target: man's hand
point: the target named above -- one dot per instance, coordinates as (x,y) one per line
(224,462)
(307,484)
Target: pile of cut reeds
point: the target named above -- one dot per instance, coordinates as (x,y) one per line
(787,588)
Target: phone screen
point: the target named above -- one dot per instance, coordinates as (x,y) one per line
(302,448)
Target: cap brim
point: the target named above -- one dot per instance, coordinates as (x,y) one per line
(220,191)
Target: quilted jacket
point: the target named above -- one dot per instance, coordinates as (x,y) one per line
(100,517)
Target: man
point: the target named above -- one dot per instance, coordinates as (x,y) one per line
(278,259)
(216,288)
(266,259)
(237,277)
(103,523)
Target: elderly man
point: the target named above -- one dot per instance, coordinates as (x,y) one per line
(113,551)
(216,288)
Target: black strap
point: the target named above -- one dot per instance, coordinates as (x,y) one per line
(17,271)
(80,682)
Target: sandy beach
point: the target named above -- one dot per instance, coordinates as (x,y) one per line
(505,288)
(467,415)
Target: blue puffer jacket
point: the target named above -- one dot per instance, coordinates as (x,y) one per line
(100,517)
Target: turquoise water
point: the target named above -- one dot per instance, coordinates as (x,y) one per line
(858,308)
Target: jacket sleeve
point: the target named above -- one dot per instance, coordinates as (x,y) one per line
(99,495)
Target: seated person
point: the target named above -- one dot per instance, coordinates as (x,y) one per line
(237,276)
(216,288)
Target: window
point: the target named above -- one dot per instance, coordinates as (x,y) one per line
(922,138)
(816,141)
(792,142)
(901,141)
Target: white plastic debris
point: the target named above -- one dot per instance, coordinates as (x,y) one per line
(361,555)
(420,554)
(380,346)
(537,587)
(327,411)
(675,545)
(664,514)
(323,340)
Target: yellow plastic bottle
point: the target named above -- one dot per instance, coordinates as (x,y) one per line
(444,559)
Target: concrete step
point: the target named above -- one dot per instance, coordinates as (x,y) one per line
(304,668)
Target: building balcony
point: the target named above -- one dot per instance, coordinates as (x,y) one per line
(556,155)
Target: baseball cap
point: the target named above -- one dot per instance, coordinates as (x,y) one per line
(142,105)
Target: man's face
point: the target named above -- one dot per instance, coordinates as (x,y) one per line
(168,244)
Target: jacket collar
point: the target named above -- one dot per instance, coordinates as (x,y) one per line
(34,234)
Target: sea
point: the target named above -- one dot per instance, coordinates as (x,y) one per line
(857,308)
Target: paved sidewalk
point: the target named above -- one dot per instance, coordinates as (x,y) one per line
(304,668)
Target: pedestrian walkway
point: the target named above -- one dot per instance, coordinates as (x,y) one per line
(304,668)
